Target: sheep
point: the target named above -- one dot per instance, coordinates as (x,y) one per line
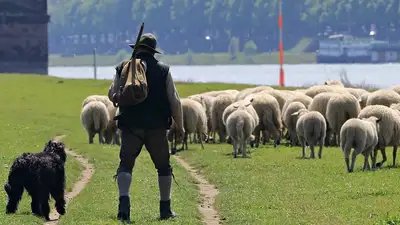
(389,128)
(217,109)
(334,83)
(233,107)
(396,88)
(340,108)
(319,104)
(298,97)
(111,135)
(248,91)
(363,100)
(94,118)
(384,97)
(362,135)
(220,92)
(357,92)
(314,90)
(310,128)
(395,107)
(206,101)
(269,113)
(102,98)
(194,121)
(239,126)
(290,121)
(280,96)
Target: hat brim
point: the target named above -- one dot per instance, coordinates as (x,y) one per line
(145,46)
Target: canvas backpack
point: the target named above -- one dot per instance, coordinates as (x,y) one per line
(133,83)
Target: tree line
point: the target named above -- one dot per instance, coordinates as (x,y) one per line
(211,25)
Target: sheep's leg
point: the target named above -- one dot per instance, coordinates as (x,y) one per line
(321,145)
(201,141)
(244,152)
(185,143)
(366,162)
(374,153)
(312,154)
(394,155)
(234,149)
(384,158)
(265,137)
(353,160)
(346,152)
(91,137)
(190,139)
(303,146)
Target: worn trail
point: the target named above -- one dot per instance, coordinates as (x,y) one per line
(208,193)
(85,177)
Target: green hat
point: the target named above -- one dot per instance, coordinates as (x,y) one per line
(148,41)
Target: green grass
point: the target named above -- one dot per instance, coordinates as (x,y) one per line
(274,186)
(182,59)
(36,108)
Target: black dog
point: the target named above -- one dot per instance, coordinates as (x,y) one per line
(41,174)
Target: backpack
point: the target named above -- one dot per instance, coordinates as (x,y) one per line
(133,84)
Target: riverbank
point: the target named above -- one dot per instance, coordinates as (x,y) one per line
(188,59)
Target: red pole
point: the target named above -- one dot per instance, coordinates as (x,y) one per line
(281,54)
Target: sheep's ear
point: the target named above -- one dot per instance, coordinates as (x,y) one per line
(295,114)
(378,120)
(392,105)
(235,106)
(248,104)
(359,100)
(251,100)
(201,97)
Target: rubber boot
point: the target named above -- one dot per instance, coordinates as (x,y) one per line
(165,210)
(124,209)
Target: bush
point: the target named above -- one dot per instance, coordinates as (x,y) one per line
(250,48)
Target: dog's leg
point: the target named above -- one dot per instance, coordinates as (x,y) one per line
(44,203)
(35,204)
(57,192)
(14,193)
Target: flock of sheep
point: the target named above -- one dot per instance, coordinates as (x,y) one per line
(322,115)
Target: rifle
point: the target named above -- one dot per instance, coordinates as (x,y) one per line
(133,64)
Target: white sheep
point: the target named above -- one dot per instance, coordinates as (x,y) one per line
(269,114)
(310,128)
(94,118)
(384,97)
(206,101)
(217,93)
(194,122)
(298,97)
(362,135)
(340,108)
(240,125)
(389,128)
(219,104)
(363,100)
(334,83)
(314,90)
(290,121)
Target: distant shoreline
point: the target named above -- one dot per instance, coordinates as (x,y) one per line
(189,59)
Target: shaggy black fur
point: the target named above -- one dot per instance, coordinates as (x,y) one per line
(41,174)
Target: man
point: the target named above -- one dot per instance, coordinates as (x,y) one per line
(146,124)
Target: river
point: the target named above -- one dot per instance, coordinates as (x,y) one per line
(378,75)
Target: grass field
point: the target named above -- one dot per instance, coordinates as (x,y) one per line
(274,186)
(187,59)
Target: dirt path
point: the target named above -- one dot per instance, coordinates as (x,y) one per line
(85,177)
(208,193)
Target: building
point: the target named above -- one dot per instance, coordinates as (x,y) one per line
(346,49)
(24,36)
